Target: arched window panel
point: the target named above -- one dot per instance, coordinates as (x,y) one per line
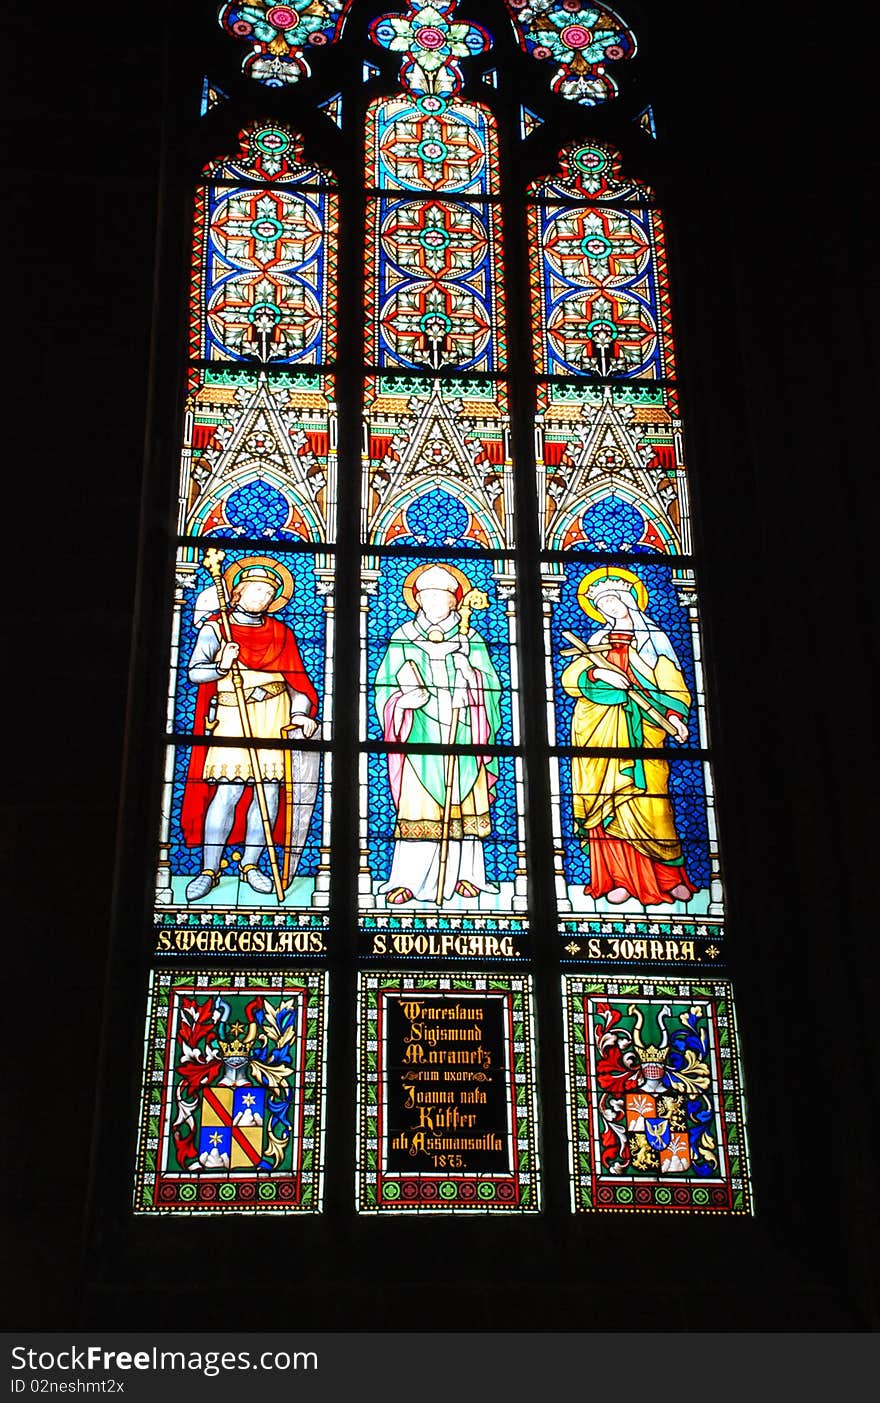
(280,38)
(243,865)
(442,837)
(238,876)
(429,144)
(447,1105)
(600,298)
(232,1116)
(590,171)
(264,276)
(640,618)
(632,797)
(655,1100)
(580,39)
(611,476)
(259,456)
(443,861)
(437,466)
(269,153)
(294,641)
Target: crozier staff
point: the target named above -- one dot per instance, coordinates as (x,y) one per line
(251,686)
(436,685)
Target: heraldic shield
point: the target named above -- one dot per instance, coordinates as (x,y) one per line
(231,1132)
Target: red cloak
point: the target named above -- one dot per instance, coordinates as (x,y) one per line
(266,647)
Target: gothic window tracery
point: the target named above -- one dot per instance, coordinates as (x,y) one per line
(475,479)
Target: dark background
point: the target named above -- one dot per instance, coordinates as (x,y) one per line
(766,117)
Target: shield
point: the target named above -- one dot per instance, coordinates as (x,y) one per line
(300,790)
(657,1131)
(231,1135)
(676,1158)
(638,1105)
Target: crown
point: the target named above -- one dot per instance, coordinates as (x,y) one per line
(236,1046)
(615,583)
(653,1056)
(259,574)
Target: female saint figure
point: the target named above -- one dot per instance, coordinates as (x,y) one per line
(630,695)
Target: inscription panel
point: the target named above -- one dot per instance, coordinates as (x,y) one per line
(446,1096)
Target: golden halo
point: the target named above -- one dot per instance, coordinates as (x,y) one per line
(285,592)
(609,572)
(409,595)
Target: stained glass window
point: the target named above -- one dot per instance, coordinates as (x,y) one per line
(234,1108)
(600,300)
(442,836)
(279,37)
(473,477)
(632,787)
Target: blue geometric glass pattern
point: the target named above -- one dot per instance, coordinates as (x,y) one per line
(613,524)
(257,502)
(436,519)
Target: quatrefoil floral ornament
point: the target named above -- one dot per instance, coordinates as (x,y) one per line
(430,41)
(581,38)
(280,35)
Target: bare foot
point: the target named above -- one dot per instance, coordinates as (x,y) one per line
(466,889)
(398,895)
(617,895)
(681,893)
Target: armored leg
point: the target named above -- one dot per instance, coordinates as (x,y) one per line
(218,825)
(255,838)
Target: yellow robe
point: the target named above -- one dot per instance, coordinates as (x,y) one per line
(605,792)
